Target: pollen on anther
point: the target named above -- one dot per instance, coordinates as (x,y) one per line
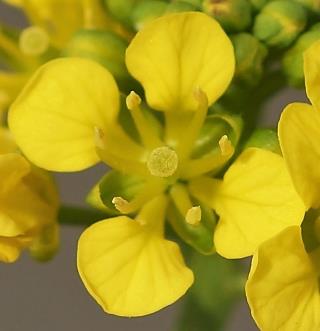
(98,137)
(193,216)
(226,147)
(133,100)
(120,204)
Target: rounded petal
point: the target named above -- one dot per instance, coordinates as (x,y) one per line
(130,270)
(312,73)
(299,134)
(54,118)
(282,288)
(255,201)
(176,54)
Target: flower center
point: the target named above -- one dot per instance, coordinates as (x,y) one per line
(162,162)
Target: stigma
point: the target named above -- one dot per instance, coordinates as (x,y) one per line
(162,162)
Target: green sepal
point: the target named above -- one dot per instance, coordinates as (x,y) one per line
(199,236)
(215,126)
(116,184)
(104,47)
(265,139)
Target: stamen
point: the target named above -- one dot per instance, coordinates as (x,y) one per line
(225,146)
(120,204)
(34,41)
(193,216)
(144,127)
(196,123)
(99,138)
(162,162)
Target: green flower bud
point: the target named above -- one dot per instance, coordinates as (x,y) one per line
(104,47)
(265,139)
(258,4)
(233,15)
(250,54)
(121,9)
(45,246)
(313,5)
(293,60)
(180,6)
(280,22)
(196,3)
(146,11)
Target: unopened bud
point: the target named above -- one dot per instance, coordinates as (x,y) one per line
(293,60)
(180,6)
(250,54)
(265,139)
(104,47)
(45,246)
(257,5)
(233,15)
(146,11)
(312,5)
(279,23)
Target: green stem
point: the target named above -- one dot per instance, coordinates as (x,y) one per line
(74,215)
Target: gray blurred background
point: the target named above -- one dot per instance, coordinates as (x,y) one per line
(51,297)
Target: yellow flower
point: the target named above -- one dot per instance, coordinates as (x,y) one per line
(28,202)
(70,116)
(283,284)
(299,133)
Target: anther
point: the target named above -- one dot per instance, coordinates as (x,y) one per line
(201,98)
(193,216)
(133,101)
(120,204)
(99,138)
(226,147)
(34,41)
(162,162)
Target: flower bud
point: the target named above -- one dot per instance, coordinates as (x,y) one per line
(257,5)
(293,59)
(104,47)
(250,54)
(146,11)
(121,9)
(266,139)
(233,15)
(45,246)
(180,6)
(313,5)
(279,23)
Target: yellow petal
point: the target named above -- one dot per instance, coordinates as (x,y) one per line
(255,201)
(299,134)
(176,54)
(282,288)
(129,270)
(53,119)
(312,73)
(12,168)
